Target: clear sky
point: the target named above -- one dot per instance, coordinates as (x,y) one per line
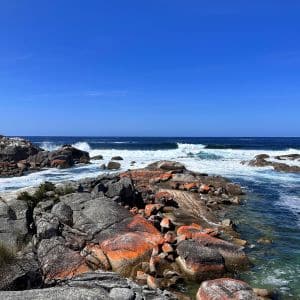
(153,68)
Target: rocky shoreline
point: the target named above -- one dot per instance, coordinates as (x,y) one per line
(19,157)
(276,162)
(159,227)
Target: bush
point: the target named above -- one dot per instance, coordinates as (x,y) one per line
(6,255)
(38,196)
(45,187)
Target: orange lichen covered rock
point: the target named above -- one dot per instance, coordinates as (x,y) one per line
(199,262)
(190,231)
(70,272)
(165,176)
(225,289)
(211,231)
(96,252)
(170,237)
(141,178)
(162,195)
(190,186)
(134,210)
(167,248)
(132,244)
(233,255)
(152,282)
(151,209)
(59,262)
(204,189)
(166,223)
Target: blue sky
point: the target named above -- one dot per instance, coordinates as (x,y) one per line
(150,68)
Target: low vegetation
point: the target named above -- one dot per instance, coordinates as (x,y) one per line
(42,194)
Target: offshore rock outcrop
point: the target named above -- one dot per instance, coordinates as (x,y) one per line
(158,226)
(18,156)
(264,160)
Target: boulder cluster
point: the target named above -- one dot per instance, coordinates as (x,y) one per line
(18,156)
(158,227)
(276,162)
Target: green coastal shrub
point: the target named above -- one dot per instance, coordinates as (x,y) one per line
(39,194)
(6,255)
(45,187)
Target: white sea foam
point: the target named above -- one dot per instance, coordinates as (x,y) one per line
(292,202)
(228,164)
(84,146)
(49,146)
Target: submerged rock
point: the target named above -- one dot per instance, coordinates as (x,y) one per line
(112,165)
(117,158)
(97,157)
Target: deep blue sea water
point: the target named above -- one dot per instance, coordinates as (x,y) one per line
(271,208)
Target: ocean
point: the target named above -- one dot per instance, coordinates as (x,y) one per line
(271,207)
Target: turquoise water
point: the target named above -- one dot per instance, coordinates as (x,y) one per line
(265,215)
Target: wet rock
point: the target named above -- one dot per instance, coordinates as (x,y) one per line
(64,157)
(225,289)
(112,165)
(151,209)
(103,167)
(167,166)
(261,161)
(265,241)
(16,149)
(264,293)
(117,158)
(97,157)
(288,157)
(199,262)
(234,189)
(234,256)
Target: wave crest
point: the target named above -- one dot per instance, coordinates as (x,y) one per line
(84,146)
